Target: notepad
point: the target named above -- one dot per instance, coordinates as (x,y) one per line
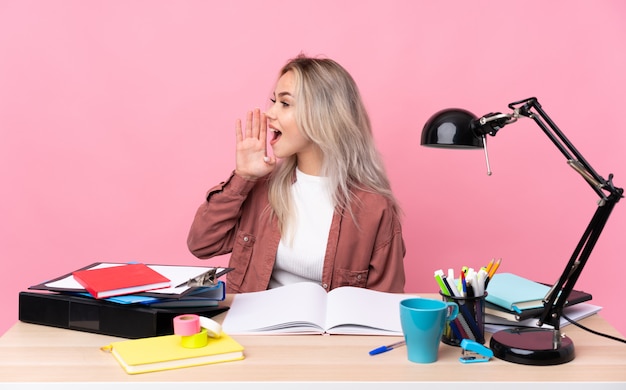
(166,353)
(515,293)
(306,308)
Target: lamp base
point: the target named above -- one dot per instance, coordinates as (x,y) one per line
(532,346)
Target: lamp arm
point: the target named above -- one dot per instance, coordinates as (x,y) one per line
(556,298)
(573,156)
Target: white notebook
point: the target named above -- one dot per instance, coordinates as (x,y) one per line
(304,308)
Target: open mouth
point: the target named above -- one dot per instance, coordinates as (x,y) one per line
(275,135)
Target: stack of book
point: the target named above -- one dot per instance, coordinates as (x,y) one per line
(131,300)
(513,300)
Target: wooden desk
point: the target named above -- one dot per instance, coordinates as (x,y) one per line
(34,353)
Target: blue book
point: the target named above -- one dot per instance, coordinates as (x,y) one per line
(515,293)
(204,296)
(126,299)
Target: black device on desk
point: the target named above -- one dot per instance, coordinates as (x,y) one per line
(97,316)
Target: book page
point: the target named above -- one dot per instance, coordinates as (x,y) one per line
(353,310)
(295,308)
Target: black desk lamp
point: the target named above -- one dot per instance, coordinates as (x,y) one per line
(457,128)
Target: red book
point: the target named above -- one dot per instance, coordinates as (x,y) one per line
(120,280)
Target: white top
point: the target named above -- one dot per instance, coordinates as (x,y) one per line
(304,259)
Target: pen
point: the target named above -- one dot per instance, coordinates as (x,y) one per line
(386,348)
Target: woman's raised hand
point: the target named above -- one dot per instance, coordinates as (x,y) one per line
(252,161)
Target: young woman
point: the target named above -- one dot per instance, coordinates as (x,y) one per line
(320,208)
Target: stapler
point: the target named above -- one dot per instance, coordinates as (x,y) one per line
(473,352)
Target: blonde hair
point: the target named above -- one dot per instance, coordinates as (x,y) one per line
(331,113)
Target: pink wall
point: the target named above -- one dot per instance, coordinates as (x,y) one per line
(115,117)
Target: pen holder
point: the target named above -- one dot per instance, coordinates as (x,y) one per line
(469,324)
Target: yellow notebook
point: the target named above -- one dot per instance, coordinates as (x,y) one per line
(165,353)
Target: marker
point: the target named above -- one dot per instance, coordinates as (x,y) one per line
(451,273)
(476,285)
(464,285)
(386,348)
(460,283)
(445,282)
(442,286)
(482,280)
(453,290)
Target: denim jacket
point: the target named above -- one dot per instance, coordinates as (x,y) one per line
(235,218)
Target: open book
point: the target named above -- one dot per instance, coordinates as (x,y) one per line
(302,308)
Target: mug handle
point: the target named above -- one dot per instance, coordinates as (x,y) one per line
(453,311)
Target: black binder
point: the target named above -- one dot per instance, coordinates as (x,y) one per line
(98,316)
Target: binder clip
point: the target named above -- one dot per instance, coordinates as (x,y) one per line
(473,352)
(209,278)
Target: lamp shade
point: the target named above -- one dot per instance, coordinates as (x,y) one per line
(451,128)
